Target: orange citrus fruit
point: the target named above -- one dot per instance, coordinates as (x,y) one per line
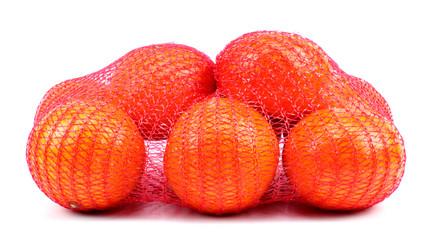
(155,83)
(370,96)
(344,159)
(77,88)
(282,73)
(221,156)
(344,94)
(55,95)
(86,155)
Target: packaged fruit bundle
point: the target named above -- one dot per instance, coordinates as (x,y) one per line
(273,119)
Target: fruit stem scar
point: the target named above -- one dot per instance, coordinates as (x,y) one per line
(74,204)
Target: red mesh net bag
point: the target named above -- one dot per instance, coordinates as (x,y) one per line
(274,119)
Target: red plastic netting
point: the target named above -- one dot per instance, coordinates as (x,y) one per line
(274,119)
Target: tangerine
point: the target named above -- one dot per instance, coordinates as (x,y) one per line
(370,95)
(86,155)
(221,156)
(282,73)
(155,83)
(344,159)
(77,88)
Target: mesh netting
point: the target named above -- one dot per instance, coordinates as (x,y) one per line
(274,119)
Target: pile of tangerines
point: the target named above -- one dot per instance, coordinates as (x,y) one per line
(273,116)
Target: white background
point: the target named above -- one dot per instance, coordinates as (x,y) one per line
(387,43)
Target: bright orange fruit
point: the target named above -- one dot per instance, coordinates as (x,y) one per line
(370,96)
(55,95)
(221,156)
(283,73)
(154,84)
(343,159)
(86,155)
(69,90)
